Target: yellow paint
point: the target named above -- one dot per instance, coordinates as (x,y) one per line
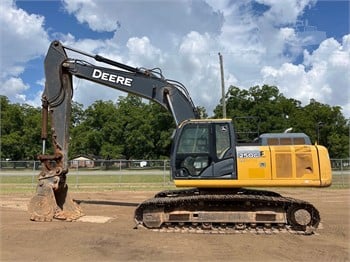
(231,183)
(255,168)
(277,166)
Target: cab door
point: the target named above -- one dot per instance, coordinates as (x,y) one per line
(204,150)
(224,154)
(193,150)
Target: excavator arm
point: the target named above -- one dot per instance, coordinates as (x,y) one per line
(52,199)
(204,155)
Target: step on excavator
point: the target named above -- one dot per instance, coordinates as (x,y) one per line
(214,171)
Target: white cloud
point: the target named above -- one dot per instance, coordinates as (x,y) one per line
(183,38)
(142,52)
(199,66)
(89,12)
(163,20)
(286,11)
(14,88)
(23,38)
(324,76)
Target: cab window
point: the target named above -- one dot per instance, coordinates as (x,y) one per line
(222,140)
(194,139)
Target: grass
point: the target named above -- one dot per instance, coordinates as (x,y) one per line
(86,183)
(116,182)
(91,179)
(17,180)
(341,181)
(116,179)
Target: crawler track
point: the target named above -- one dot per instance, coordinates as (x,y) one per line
(226,212)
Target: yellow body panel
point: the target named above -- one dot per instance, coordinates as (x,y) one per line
(274,166)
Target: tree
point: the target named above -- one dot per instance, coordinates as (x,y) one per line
(202,112)
(258,110)
(20,131)
(96,130)
(11,116)
(265,107)
(77,114)
(31,136)
(11,130)
(130,129)
(163,126)
(326,125)
(135,129)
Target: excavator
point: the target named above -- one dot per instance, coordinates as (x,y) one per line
(218,177)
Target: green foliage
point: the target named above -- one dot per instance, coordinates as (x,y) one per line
(20,131)
(202,112)
(258,110)
(327,125)
(31,131)
(266,110)
(78,114)
(95,131)
(129,129)
(133,129)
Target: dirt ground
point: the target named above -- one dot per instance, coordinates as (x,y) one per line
(107,234)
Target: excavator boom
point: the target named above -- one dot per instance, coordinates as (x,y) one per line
(52,199)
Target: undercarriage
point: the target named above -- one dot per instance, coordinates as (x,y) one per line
(226,211)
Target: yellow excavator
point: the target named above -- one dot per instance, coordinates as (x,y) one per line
(206,160)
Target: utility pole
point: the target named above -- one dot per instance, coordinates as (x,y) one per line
(222,87)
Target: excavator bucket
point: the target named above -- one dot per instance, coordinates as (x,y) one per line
(46,205)
(42,206)
(52,200)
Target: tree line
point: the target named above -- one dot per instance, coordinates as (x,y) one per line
(133,129)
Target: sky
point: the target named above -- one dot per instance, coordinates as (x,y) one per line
(300,46)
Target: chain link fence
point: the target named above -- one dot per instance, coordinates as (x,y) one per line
(124,174)
(88,164)
(341,172)
(93,174)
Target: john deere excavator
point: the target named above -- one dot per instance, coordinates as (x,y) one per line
(205,160)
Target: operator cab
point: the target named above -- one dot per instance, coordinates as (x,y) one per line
(204,149)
